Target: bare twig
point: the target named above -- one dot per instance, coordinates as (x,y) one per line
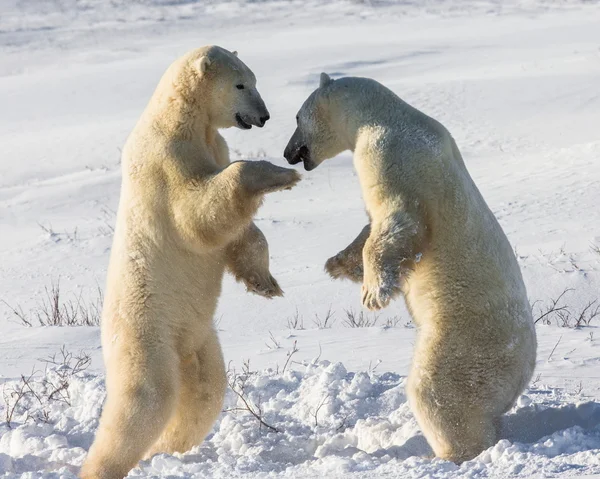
(554,348)
(55,311)
(553,308)
(296,321)
(326,322)
(359,320)
(289,356)
(15,396)
(274,344)
(36,391)
(392,322)
(565,316)
(315,414)
(237,384)
(20,314)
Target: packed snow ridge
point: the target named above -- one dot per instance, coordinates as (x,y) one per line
(315,419)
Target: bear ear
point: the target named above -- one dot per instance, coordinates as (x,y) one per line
(202,64)
(325,80)
(235,52)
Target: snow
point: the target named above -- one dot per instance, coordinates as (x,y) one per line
(515,82)
(326,422)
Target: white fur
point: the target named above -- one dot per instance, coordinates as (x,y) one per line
(184,217)
(432,237)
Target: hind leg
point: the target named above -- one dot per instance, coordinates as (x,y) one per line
(139,403)
(203,384)
(456,430)
(248,261)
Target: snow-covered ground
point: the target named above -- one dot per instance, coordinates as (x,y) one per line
(518,85)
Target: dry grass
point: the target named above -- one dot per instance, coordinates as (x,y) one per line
(36,392)
(557,311)
(326,321)
(296,322)
(360,319)
(56,310)
(238,383)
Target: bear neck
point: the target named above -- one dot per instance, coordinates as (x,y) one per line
(179,110)
(186,120)
(372,110)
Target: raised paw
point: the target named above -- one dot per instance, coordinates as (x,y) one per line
(265,286)
(284,179)
(378,294)
(338,267)
(262,177)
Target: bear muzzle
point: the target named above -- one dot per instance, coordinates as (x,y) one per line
(294,154)
(245,122)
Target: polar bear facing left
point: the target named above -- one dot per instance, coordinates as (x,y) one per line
(431,237)
(185,216)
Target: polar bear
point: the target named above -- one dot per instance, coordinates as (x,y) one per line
(185,215)
(433,238)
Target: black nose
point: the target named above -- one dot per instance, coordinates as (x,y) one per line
(264,119)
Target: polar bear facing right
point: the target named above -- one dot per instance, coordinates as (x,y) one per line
(184,219)
(433,238)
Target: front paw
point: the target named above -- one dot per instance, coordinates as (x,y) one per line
(377,294)
(269,177)
(338,267)
(263,285)
(285,179)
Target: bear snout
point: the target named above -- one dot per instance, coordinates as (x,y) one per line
(294,154)
(291,155)
(263,119)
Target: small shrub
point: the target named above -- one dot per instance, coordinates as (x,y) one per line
(30,398)
(558,312)
(54,310)
(359,320)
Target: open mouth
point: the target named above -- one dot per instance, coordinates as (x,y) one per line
(241,123)
(308,164)
(302,154)
(295,155)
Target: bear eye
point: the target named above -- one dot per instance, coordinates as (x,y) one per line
(297,118)
(240,86)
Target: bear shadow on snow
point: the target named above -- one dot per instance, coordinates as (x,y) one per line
(527,425)
(532,423)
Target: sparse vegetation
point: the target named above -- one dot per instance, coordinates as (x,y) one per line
(352,320)
(108,219)
(290,353)
(296,321)
(315,413)
(272,343)
(55,310)
(238,383)
(557,311)
(326,321)
(393,322)
(360,319)
(55,236)
(36,392)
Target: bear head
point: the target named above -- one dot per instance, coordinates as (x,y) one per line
(315,139)
(226,89)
